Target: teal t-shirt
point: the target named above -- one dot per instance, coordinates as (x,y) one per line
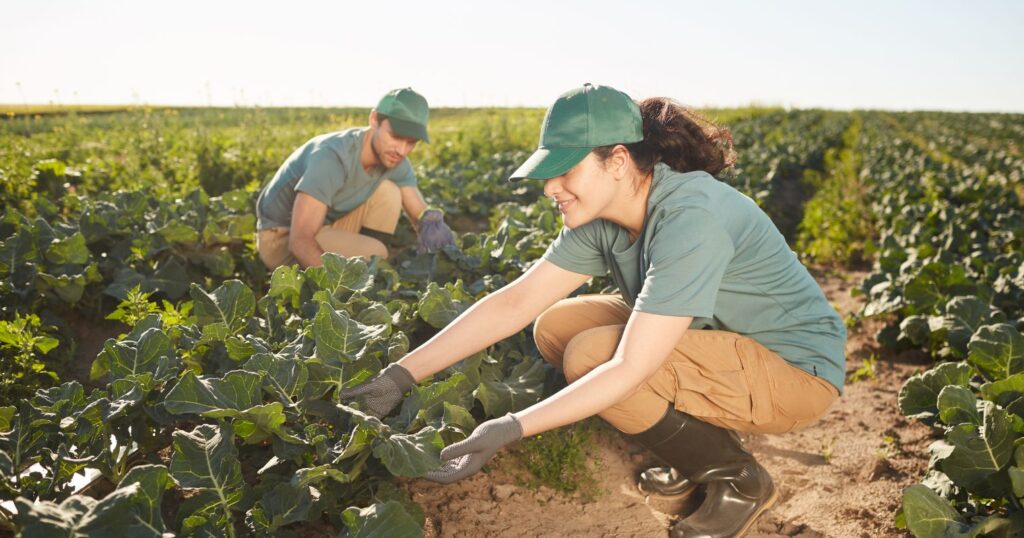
(328,169)
(708,251)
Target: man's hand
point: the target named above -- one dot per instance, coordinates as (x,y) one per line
(434,234)
(381,394)
(469,455)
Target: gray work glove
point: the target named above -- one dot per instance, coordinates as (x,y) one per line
(469,455)
(434,234)
(380,395)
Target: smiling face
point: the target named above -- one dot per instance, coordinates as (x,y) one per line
(586,192)
(388,147)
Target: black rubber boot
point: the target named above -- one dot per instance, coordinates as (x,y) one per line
(737,488)
(383,237)
(665,482)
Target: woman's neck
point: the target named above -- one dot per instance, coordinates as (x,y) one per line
(631,210)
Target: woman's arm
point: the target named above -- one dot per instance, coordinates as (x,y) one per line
(493,318)
(646,343)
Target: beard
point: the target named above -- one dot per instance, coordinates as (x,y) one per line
(376,152)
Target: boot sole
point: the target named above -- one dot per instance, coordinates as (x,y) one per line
(768,504)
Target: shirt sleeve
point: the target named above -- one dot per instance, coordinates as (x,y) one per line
(402,175)
(323,177)
(578,250)
(688,256)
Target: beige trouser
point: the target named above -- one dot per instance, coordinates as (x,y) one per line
(720,377)
(379,213)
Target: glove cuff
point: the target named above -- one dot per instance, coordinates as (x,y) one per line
(429,208)
(511,425)
(399,376)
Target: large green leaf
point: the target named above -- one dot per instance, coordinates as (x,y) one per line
(169,278)
(152,354)
(230,306)
(339,338)
(410,454)
(205,458)
(915,330)
(70,250)
(929,515)
(997,351)
(1005,391)
(217,261)
(958,405)
(215,397)
(963,317)
(152,481)
(17,251)
(286,284)
(388,519)
(69,288)
(523,387)
(286,377)
(980,452)
(6,417)
(283,505)
(919,395)
(179,232)
(339,274)
(427,401)
(439,306)
(935,284)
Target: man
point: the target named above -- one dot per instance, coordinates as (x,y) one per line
(343,192)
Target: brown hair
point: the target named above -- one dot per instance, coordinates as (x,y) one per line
(679,137)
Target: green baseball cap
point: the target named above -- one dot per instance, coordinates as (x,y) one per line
(580,120)
(407,111)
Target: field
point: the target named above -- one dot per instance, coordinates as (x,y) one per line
(143,343)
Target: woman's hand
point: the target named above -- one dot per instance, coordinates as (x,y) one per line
(469,455)
(380,395)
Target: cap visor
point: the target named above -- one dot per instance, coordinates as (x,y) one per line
(546,163)
(409,129)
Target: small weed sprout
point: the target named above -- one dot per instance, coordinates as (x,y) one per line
(866,370)
(827,449)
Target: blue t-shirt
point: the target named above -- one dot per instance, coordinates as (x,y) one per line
(328,169)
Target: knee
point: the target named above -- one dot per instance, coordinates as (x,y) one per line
(377,248)
(586,351)
(388,192)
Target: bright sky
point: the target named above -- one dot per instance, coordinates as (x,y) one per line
(944,55)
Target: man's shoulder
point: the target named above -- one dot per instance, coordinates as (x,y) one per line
(339,141)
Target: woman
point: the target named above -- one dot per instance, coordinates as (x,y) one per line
(635,186)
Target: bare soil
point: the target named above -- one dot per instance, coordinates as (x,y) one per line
(841,477)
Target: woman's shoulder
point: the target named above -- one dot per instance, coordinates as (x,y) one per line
(674,190)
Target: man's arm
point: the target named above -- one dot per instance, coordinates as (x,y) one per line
(414,204)
(308,215)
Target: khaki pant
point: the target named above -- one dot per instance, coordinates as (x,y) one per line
(720,377)
(379,213)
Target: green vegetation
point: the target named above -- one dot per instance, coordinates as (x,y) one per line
(145,216)
(562,460)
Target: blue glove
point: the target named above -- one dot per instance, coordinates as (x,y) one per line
(434,234)
(469,455)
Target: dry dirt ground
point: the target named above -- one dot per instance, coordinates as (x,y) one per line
(841,477)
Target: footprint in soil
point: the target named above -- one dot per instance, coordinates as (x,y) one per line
(879,469)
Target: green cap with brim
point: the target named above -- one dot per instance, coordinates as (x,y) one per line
(407,112)
(580,120)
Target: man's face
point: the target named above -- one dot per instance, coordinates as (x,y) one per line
(388,146)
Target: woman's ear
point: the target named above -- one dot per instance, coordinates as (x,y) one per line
(620,160)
